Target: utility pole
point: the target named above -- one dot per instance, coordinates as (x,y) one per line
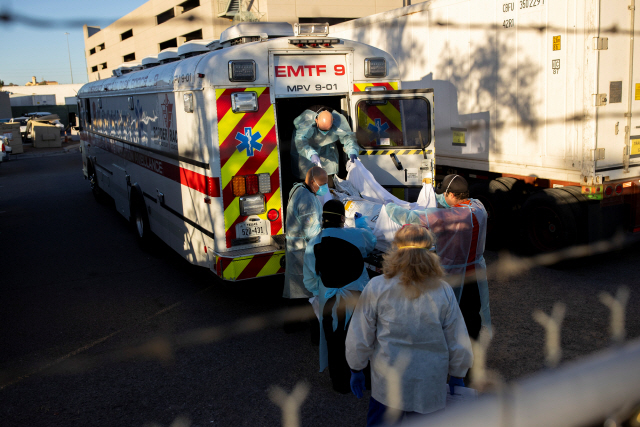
(69,51)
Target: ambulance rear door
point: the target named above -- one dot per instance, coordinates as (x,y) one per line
(395,130)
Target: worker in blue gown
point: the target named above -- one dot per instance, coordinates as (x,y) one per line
(334,271)
(303,222)
(313,141)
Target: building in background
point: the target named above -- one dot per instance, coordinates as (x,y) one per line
(161,24)
(55,99)
(34,82)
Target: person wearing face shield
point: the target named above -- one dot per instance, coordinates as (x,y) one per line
(334,271)
(303,222)
(313,141)
(461,230)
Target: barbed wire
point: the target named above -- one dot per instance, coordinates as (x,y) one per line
(9,17)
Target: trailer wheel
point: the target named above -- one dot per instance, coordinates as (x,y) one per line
(551,219)
(494,196)
(140,221)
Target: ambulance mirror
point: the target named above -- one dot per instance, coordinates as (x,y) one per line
(188,102)
(242,102)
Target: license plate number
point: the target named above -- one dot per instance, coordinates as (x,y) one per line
(252,228)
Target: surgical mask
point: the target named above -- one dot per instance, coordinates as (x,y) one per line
(322,189)
(440,198)
(324,132)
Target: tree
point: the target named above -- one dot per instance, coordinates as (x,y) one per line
(1,83)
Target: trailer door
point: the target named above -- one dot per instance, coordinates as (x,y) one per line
(395,130)
(618,86)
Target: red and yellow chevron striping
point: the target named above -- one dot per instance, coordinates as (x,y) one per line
(249,267)
(360,87)
(380,120)
(248,145)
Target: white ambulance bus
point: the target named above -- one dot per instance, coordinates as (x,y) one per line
(197,150)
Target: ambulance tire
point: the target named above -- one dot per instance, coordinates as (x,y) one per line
(140,220)
(494,196)
(93,183)
(551,220)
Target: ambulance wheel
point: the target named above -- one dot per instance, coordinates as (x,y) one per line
(93,183)
(552,219)
(140,221)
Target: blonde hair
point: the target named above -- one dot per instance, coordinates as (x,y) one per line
(410,258)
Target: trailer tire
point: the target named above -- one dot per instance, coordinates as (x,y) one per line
(551,219)
(494,196)
(140,221)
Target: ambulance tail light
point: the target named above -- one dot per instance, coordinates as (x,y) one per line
(252,205)
(238,184)
(252,184)
(264,183)
(375,67)
(273,215)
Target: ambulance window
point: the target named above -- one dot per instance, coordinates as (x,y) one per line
(87,110)
(393,122)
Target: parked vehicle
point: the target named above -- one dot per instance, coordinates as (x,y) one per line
(23,125)
(193,154)
(537,104)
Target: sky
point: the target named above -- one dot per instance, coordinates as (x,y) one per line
(36,49)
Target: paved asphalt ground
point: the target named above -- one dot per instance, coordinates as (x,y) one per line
(93,328)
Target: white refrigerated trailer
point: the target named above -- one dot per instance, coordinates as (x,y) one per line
(531,95)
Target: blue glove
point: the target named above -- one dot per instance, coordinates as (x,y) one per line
(455,381)
(316,160)
(353,158)
(357,383)
(361,221)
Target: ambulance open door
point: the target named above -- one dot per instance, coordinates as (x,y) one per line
(395,130)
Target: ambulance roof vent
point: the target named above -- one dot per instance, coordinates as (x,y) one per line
(214,45)
(246,32)
(194,47)
(129,67)
(150,61)
(170,54)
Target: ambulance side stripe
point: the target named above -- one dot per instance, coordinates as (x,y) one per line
(204,184)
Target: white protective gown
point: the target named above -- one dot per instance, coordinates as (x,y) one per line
(307,140)
(303,222)
(427,333)
(453,229)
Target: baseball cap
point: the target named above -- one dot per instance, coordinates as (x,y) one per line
(452,184)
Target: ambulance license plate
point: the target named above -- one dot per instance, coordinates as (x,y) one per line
(252,228)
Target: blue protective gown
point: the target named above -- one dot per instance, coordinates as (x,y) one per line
(307,140)
(365,241)
(453,230)
(303,222)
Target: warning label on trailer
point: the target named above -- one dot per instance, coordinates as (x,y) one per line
(637,91)
(458,136)
(635,146)
(556,42)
